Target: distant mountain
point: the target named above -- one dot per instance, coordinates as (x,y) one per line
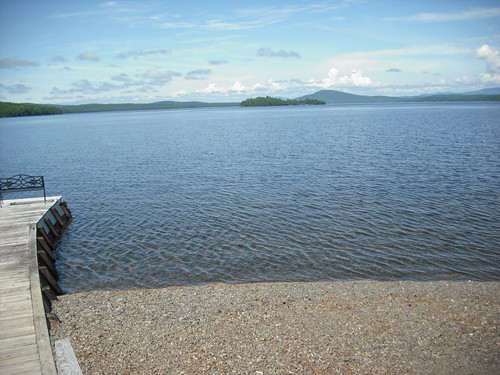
(491,91)
(333,96)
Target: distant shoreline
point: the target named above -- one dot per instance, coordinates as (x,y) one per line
(8,109)
(28,109)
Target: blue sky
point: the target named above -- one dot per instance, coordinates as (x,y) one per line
(144,51)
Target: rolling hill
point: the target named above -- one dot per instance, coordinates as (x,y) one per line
(333,96)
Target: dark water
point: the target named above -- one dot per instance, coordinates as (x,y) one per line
(175,197)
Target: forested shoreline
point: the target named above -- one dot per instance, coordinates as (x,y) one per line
(8,109)
(27,109)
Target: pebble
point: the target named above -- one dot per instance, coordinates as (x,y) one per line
(324,328)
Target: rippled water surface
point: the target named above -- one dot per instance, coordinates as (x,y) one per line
(176,197)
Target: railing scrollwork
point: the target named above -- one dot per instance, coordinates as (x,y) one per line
(22,182)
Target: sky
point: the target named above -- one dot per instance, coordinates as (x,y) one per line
(74,52)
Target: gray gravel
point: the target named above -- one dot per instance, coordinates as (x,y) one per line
(360,327)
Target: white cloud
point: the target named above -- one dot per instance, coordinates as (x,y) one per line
(274,86)
(212,88)
(492,57)
(490,78)
(355,79)
(240,88)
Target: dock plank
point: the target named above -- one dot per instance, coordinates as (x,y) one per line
(24,342)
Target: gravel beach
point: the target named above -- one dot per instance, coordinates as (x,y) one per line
(358,327)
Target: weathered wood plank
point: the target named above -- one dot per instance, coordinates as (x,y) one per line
(14,351)
(25,368)
(18,332)
(20,320)
(24,340)
(14,359)
(13,286)
(10,301)
(20,342)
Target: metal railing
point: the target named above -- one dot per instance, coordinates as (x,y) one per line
(22,182)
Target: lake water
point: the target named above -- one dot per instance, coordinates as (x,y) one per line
(194,196)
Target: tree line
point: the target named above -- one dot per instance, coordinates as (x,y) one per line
(25,109)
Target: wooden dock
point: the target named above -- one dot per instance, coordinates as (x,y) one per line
(25,346)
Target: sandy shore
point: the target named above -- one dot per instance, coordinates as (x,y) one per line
(361,327)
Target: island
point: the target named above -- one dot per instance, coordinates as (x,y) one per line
(269,101)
